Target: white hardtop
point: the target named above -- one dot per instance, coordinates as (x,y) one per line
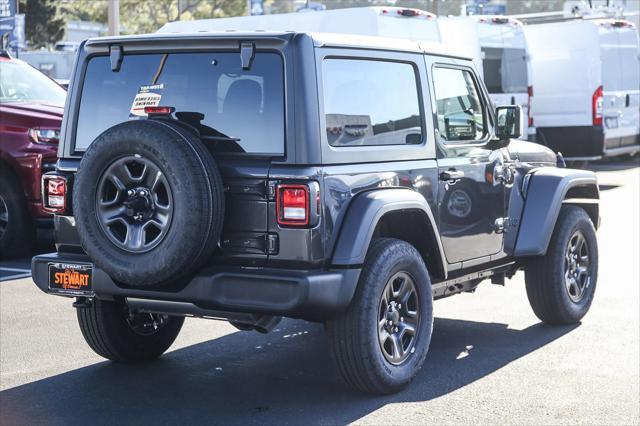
(393,22)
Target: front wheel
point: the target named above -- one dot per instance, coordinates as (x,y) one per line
(17,233)
(561,284)
(115,333)
(380,342)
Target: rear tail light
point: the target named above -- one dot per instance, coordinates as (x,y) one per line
(159,110)
(529,111)
(597,106)
(54,193)
(292,205)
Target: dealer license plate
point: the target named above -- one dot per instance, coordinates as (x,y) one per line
(70,278)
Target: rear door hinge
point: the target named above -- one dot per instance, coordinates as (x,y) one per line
(271,189)
(272,243)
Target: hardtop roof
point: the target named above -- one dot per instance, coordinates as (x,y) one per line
(338,40)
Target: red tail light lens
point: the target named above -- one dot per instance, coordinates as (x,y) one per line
(292,205)
(597,106)
(54,193)
(158,110)
(529,111)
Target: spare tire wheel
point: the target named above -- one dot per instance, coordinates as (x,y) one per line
(148,202)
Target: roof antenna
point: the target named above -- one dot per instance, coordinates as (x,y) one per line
(247,54)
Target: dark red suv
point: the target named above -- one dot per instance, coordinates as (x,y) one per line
(31,106)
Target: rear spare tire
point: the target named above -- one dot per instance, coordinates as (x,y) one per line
(148,202)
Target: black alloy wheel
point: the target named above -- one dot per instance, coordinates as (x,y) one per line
(561,284)
(399,318)
(134,204)
(148,201)
(381,341)
(576,275)
(146,324)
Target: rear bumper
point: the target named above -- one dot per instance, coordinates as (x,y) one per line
(313,295)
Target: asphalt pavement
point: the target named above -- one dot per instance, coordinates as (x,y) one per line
(491,360)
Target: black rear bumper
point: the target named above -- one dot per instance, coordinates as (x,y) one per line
(586,142)
(313,295)
(576,142)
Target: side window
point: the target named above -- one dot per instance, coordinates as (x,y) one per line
(368,102)
(459,108)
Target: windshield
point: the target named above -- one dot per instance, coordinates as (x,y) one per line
(236,110)
(20,82)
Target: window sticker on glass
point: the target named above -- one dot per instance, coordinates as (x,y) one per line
(147,96)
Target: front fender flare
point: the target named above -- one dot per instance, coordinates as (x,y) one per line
(363,215)
(545,194)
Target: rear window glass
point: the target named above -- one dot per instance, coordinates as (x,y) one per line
(370,102)
(243,110)
(505,70)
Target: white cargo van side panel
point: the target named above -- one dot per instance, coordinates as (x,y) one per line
(629,46)
(565,67)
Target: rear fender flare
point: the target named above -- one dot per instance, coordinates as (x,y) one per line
(546,191)
(363,215)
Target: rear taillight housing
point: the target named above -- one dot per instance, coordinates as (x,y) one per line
(529,110)
(54,193)
(292,204)
(597,106)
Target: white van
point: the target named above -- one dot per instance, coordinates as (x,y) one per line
(396,22)
(586,75)
(500,52)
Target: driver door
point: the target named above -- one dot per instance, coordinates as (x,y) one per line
(470,201)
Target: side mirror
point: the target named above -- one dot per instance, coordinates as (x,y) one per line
(509,122)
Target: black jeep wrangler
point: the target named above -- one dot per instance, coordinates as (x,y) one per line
(341,179)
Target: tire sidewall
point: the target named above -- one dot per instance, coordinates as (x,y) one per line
(187,180)
(574,219)
(396,376)
(20,232)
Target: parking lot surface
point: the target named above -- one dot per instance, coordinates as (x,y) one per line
(491,360)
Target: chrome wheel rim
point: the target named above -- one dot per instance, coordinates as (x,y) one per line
(134,204)
(398,318)
(576,267)
(4,217)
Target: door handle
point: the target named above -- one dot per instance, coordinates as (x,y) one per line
(452,174)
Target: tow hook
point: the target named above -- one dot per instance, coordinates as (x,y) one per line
(82,302)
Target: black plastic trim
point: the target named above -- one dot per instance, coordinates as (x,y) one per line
(312,295)
(362,218)
(547,189)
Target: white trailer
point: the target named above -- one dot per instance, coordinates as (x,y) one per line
(586,75)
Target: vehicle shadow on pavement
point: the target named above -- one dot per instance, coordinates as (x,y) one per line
(613,165)
(286,377)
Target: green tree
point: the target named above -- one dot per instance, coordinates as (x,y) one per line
(145,16)
(44,26)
